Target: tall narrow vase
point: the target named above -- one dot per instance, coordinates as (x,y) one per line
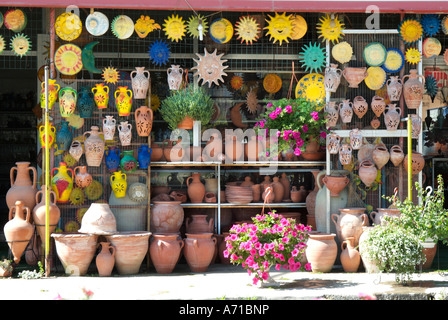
(22,187)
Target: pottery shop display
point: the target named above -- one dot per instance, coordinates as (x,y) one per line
(109,124)
(349,223)
(355,136)
(131,248)
(396,155)
(143,120)
(22,187)
(18,230)
(335,184)
(75,251)
(321,251)
(346,111)
(345,154)
(62,182)
(196,189)
(40,211)
(82,177)
(413,89)
(100,95)
(332,116)
(417,160)
(332,78)
(367,172)
(350,257)
(166,216)
(67,101)
(174,73)
(199,250)
(105,260)
(333,143)
(123,101)
(141,80)
(354,76)
(392,117)
(378,105)
(394,88)
(98,219)
(360,106)
(198,224)
(380,156)
(94,147)
(125,133)
(165,250)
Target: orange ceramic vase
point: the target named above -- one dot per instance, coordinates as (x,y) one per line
(321,251)
(22,188)
(199,251)
(105,260)
(196,189)
(165,251)
(350,258)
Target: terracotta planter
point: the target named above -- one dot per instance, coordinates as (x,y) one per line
(199,250)
(198,224)
(370,266)
(298,196)
(350,258)
(166,217)
(321,251)
(196,189)
(396,155)
(429,250)
(22,187)
(75,251)
(165,250)
(105,260)
(378,216)
(417,160)
(354,76)
(156,153)
(131,248)
(186,124)
(335,184)
(98,219)
(349,223)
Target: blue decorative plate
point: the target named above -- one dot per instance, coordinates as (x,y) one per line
(97,23)
(221,30)
(394,60)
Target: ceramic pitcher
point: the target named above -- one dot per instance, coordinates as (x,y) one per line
(64,136)
(112,158)
(67,101)
(82,177)
(62,182)
(144,156)
(125,133)
(332,77)
(332,116)
(413,89)
(51,136)
(346,111)
(196,189)
(140,82)
(143,120)
(394,88)
(360,106)
(392,116)
(86,104)
(109,127)
(101,95)
(175,73)
(94,147)
(22,187)
(119,184)
(53,89)
(123,101)
(333,141)
(355,139)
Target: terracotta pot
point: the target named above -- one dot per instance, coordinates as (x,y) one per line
(156,153)
(166,216)
(349,223)
(345,154)
(18,230)
(321,251)
(199,250)
(286,186)
(333,143)
(98,219)
(143,121)
(186,123)
(369,265)
(210,197)
(298,196)
(180,196)
(378,216)
(380,156)
(82,177)
(367,172)
(429,250)
(332,77)
(165,250)
(75,251)
(278,189)
(256,192)
(413,89)
(354,76)
(392,116)
(360,106)
(198,224)
(221,247)
(394,88)
(196,189)
(375,123)
(396,155)
(416,125)
(311,197)
(335,184)
(105,260)
(417,160)
(131,248)
(378,105)
(22,188)
(350,257)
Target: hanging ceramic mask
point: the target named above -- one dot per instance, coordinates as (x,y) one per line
(394,60)
(430,24)
(236,82)
(247,29)
(280,27)
(97,24)
(342,52)
(67,59)
(376,78)
(312,57)
(159,52)
(144,25)
(209,68)
(374,54)
(110,75)
(299,27)
(15,20)
(431,47)
(2,44)
(193,24)
(68,26)
(122,27)
(272,83)
(174,28)
(330,28)
(410,31)
(311,87)
(413,56)
(221,30)
(444,24)
(20,44)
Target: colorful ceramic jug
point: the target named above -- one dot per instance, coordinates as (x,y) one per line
(94,147)
(332,78)
(140,82)
(143,121)
(346,111)
(144,156)
(333,141)
(128,163)
(345,154)
(413,89)
(119,184)
(332,116)
(86,104)
(394,88)
(112,158)
(125,133)
(62,182)
(378,105)
(109,128)
(175,74)
(101,95)
(82,177)
(360,106)
(64,136)
(67,101)
(53,89)
(392,116)
(355,139)
(51,136)
(123,101)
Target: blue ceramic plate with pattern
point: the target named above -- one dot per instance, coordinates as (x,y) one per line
(394,60)
(97,23)
(311,87)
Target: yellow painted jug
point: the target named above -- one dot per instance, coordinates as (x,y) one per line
(119,184)
(62,182)
(101,95)
(53,89)
(51,137)
(123,101)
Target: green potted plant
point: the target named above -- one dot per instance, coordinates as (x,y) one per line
(186,105)
(6,268)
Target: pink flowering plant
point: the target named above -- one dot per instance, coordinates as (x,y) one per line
(295,121)
(270,241)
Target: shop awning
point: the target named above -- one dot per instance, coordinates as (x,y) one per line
(397,6)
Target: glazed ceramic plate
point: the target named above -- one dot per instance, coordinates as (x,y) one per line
(15,20)
(97,23)
(68,26)
(375,54)
(342,52)
(394,61)
(376,77)
(299,27)
(431,47)
(311,87)
(221,30)
(272,83)
(68,59)
(122,27)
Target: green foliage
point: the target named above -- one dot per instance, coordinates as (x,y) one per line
(195,103)
(6,265)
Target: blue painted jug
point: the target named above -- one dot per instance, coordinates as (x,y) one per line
(112,158)
(86,103)
(64,136)
(144,156)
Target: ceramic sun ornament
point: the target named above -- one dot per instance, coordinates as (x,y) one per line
(299,27)
(247,29)
(236,82)
(110,75)
(410,31)
(394,60)
(431,86)
(330,28)
(252,101)
(312,57)
(174,28)
(209,68)
(15,20)
(280,27)
(221,30)
(193,24)
(68,26)
(430,24)
(159,52)
(2,44)
(122,27)
(20,44)
(413,56)
(68,59)
(155,102)
(144,25)
(342,52)
(272,83)
(444,24)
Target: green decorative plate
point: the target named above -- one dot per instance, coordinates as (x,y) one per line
(376,77)
(375,54)
(311,87)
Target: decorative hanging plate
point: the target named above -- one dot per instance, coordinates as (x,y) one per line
(431,47)
(410,31)
(15,20)
(221,30)
(122,27)
(67,59)
(272,83)
(68,26)
(299,27)
(342,52)
(394,60)
(20,44)
(375,54)
(280,27)
(247,29)
(311,87)
(444,24)
(174,28)
(376,77)
(97,23)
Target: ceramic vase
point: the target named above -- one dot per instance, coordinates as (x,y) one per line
(51,136)
(156,152)
(311,197)
(367,172)
(369,265)
(105,260)
(417,161)
(360,106)
(94,147)
(413,89)
(380,156)
(140,79)
(64,136)
(67,101)
(101,95)
(350,257)
(333,143)
(332,116)
(53,89)
(86,104)
(174,73)
(335,184)
(298,195)
(332,78)
(166,216)
(394,88)
(125,133)
(355,136)
(256,193)
(128,163)
(82,177)
(18,230)
(143,121)
(196,189)
(165,250)
(199,250)
(396,155)
(286,186)
(278,189)
(76,150)
(62,182)
(354,76)
(345,154)
(378,216)
(123,101)
(378,105)
(119,184)
(109,124)
(40,211)
(112,158)
(416,125)
(349,223)
(22,187)
(198,224)
(346,111)
(392,116)
(144,156)
(321,251)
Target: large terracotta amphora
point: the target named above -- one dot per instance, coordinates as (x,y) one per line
(321,251)
(143,121)
(94,147)
(109,124)
(350,257)
(196,189)
(39,214)
(199,250)
(394,88)
(51,135)
(140,82)
(199,224)
(174,74)
(164,251)
(392,116)
(53,89)
(413,89)
(22,187)
(101,95)
(105,260)
(332,78)
(62,182)
(349,223)
(123,101)
(67,101)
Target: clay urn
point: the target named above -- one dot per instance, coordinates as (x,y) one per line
(367,172)
(22,187)
(198,224)
(349,223)
(199,250)
(286,186)
(350,257)
(278,188)
(321,251)
(396,155)
(166,216)
(380,156)
(105,260)
(165,250)
(156,153)
(378,105)
(413,89)
(99,220)
(196,189)
(360,106)
(335,184)
(298,195)
(417,160)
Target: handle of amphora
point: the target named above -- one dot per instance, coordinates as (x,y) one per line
(335,219)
